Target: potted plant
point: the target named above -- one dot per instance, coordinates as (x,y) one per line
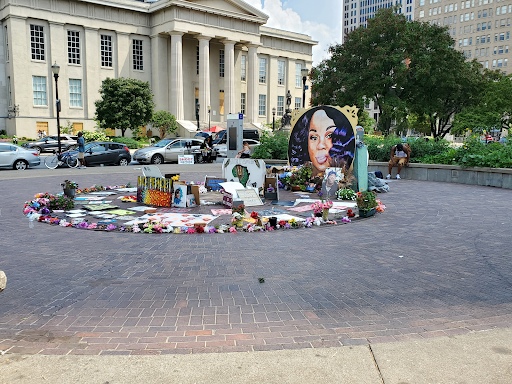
(300,177)
(69,188)
(366,203)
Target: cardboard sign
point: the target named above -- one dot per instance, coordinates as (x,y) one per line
(227,199)
(179,197)
(154,191)
(151,171)
(249,197)
(213,183)
(248,172)
(186,159)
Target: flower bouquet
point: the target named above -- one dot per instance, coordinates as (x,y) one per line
(366,203)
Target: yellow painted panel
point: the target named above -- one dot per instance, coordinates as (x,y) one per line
(221,102)
(77,127)
(43,127)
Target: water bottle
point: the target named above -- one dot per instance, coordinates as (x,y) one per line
(31,222)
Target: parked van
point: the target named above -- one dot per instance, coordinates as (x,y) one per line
(221,137)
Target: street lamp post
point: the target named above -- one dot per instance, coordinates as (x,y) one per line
(197,116)
(209,110)
(55,70)
(274,118)
(304,72)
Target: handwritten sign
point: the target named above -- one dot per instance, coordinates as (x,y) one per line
(249,197)
(186,159)
(213,183)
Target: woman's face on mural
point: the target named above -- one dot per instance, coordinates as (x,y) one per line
(321,129)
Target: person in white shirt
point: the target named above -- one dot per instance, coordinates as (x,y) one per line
(400,155)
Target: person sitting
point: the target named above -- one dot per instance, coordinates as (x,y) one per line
(400,155)
(245,153)
(206,148)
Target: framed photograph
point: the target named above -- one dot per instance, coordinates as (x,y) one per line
(330,183)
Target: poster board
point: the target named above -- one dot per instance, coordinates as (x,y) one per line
(249,197)
(213,183)
(179,197)
(330,182)
(154,191)
(186,159)
(248,172)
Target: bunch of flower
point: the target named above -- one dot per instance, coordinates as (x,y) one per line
(366,200)
(254,215)
(270,189)
(240,209)
(319,206)
(350,213)
(61,202)
(175,178)
(380,207)
(345,194)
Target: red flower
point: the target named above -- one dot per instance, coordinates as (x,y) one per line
(282,223)
(254,215)
(199,229)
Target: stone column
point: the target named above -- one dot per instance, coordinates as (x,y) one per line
(91,63)
(229,77)
(124,54)
(176,80)
(204,77)
(159,71)
(252,84)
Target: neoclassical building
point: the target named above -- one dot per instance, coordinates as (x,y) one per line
(215,53)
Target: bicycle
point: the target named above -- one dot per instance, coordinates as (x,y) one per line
(57,160)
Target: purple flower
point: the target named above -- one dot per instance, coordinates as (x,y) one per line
(83,225)
(111,227)
(45,211)
(287,225)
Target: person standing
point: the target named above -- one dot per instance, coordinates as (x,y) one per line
(81,149)
(399,156)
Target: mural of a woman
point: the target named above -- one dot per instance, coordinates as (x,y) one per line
(323,136)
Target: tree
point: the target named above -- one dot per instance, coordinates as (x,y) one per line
(494,111)
(125,104)
(165,120)
(365,121)
(370,64)
(440,82)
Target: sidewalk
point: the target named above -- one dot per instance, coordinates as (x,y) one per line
(478,358)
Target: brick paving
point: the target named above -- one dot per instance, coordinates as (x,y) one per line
(73,291)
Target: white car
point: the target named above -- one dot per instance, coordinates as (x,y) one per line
(16,157)
(222,149)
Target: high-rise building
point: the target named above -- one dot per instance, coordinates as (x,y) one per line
(481,28)
(356,13)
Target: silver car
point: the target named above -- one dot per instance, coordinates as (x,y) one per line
(222,149)
(16,157)
(166,150)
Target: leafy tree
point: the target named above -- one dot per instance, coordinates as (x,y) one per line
(272,146)
(371,63)
(125,104)
(165,120)
(365,121)
(440,82)
(494,110)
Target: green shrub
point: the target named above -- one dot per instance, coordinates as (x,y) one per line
(379,147)
(273,146)
(128,141)
(95,136)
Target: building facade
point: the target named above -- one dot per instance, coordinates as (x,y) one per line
(481,28)
(215,53)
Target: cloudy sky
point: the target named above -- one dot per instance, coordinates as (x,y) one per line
(320,19)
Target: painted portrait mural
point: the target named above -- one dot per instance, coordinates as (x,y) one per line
(324,136)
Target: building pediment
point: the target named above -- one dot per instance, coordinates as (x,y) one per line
(231,8)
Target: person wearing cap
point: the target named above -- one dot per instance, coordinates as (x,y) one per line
(330,185)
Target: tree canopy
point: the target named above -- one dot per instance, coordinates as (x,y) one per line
(165,120)
(125,104)
(405,67)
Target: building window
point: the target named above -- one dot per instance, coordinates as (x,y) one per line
(75,92)
(197,60)
(263,71)
(9,93)
(138,62)
(73,47)
(243,68)
(37,42)
(6,45)
(221,63)
(280,72)
(106,51)
(280,105)
(242,104)
(298,75)
(262,105)
(39,90)
(298,103)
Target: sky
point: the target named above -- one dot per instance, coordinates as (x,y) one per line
(320,19)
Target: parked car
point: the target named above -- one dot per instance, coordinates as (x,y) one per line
(221,137)
(203,135)
(222,149)
(106,152)
(167,150)
(16,157)
(51,143)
